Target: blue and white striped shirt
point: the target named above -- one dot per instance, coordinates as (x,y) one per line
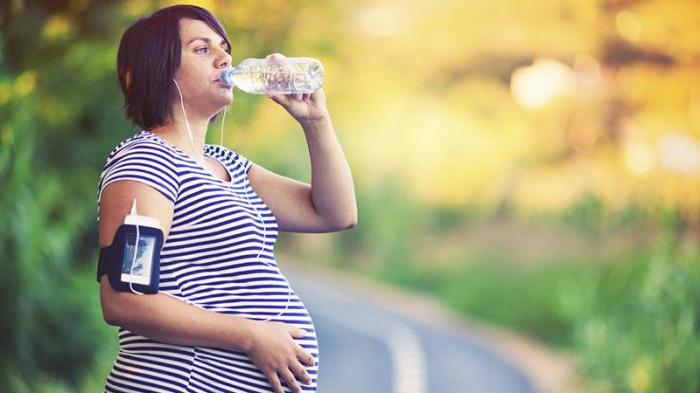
(209,260)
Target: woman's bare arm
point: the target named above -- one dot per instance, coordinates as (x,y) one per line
(159,316)
(328,203)
(167,319)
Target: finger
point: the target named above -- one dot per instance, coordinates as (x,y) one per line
(296,332)
(274,381)
(282,99)
(276,56)
(274,97)
(300,372)
(305,357)
(288,377)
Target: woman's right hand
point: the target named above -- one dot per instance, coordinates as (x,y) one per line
(273,349)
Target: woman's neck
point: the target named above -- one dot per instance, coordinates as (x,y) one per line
(176,133)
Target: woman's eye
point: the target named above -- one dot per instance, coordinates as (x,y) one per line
(198,50)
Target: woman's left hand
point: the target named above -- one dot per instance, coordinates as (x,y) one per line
(304,107)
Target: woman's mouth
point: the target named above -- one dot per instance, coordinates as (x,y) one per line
(221,84)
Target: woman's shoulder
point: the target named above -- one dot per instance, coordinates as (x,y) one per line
(142,159)
(144,144)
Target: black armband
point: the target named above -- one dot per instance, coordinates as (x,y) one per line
(126,272)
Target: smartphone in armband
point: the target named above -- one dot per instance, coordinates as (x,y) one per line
(132,266)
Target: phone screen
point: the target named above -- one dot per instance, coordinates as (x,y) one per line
(140,272)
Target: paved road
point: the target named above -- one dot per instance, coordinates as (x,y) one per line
(365,346)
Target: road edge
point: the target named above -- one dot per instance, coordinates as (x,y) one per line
(548,370)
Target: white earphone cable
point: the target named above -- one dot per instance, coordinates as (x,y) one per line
(187,123)
(262,222)
(133,260)
(222,127)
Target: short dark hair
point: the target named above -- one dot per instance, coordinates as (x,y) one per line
(148,57)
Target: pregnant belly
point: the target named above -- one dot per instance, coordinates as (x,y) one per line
(213,368)
(253,293)
(206,369)
(232,371)
(145,362)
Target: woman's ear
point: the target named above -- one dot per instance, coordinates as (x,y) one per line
(127,79)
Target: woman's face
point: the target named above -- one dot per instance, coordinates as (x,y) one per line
(202,59)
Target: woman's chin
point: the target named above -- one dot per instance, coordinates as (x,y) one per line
(225,99)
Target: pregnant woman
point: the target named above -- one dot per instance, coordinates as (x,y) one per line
(225,318)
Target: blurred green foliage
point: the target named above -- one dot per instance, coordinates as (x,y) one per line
(643,332)
(633,322)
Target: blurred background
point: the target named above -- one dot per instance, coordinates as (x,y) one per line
(535,165)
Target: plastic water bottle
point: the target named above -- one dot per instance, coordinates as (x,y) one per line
(288,76)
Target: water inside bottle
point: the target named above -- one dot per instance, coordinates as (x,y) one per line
(297,75)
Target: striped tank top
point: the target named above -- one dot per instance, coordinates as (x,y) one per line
(209,260)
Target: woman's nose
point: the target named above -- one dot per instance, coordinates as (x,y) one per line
(224,60)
